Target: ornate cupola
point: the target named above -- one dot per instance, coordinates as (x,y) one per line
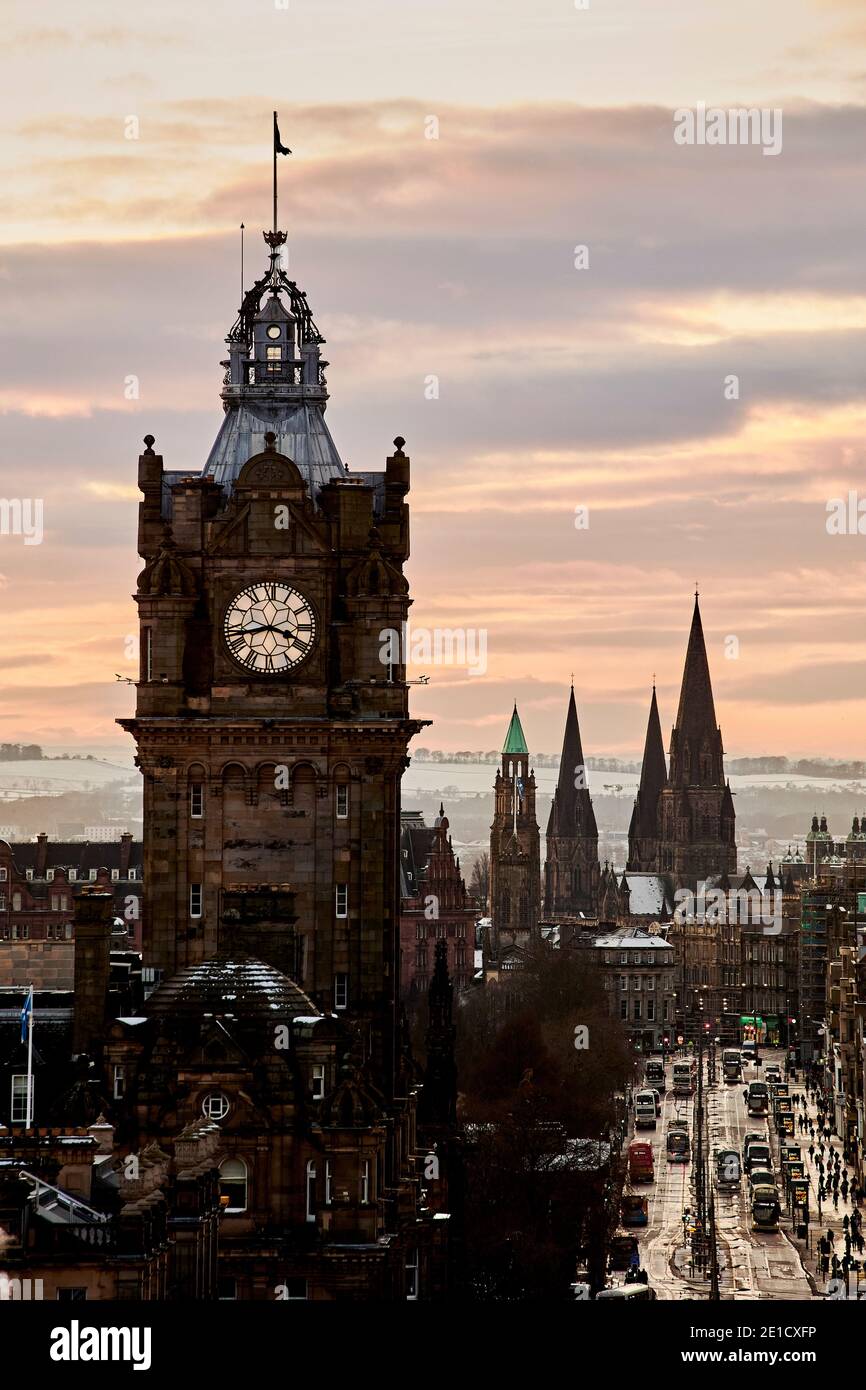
(275,381)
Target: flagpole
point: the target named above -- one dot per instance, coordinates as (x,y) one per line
(275,171)
(30,1062)
(242,263)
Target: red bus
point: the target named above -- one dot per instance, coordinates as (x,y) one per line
(640,1162)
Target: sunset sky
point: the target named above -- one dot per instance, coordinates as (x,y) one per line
(558,388)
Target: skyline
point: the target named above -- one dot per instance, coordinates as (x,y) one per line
(454,257)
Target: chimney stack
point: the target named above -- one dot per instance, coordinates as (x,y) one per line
(94,911)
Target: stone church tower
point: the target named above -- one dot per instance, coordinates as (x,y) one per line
(272,718)
(515,856)
(695,812)
(571,871)
(643,830)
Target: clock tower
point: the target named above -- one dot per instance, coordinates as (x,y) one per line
(272,720)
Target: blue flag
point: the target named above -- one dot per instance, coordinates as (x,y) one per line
(26,1014)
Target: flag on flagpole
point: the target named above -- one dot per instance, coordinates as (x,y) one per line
(279,147)
(26,1015)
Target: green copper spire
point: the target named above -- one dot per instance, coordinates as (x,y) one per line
(514,740)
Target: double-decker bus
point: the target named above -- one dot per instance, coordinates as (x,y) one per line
(758,1099)
(732,1064)
(640,1162)
(684,1078)
(765,1209)
(677,1142)
(729,1168)
(655,1076)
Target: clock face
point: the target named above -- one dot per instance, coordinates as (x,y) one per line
(269,627)
(274,331)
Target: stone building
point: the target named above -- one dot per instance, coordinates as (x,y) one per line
(638,970)
(434,908)
(39,882)
(515,855)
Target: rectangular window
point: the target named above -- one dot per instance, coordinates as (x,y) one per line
(365,1180)
(649,982)
(328,1188)
(147,653)
(92,875)
(2,902)
(461,931)
(341,991)
(115,875)
(636,1013)
(341,891)
(49,874)
(623,957)
(623,1008)
(119,1081)
(72,1294)
(635,983)
(19,1099)
(318,1080)
(623,982)
(195,900)
(342,801)
(196,800)
(651,1010)
(412,1275)
(3,875)
(29,875)
(420,932)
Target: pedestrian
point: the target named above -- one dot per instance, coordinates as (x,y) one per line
(846,1222)
(746,1095)
(859,1242)
(835,1199)
(812,1152)
(843,1188)
(811,1131)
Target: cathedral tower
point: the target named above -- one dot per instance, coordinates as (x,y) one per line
(515,855)
(695,808)
(571,872)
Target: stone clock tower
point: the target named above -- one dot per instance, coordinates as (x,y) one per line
(271,737)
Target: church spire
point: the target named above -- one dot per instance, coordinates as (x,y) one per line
(574,813)
(696,743)
(643,831)
(514,739)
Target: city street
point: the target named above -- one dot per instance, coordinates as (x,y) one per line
(756,1265)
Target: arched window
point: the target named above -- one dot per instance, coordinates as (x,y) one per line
(233,1184)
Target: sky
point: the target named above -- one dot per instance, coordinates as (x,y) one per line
(579,463)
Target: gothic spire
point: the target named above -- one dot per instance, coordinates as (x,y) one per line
(653,775)
(696,743)
(574,813)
